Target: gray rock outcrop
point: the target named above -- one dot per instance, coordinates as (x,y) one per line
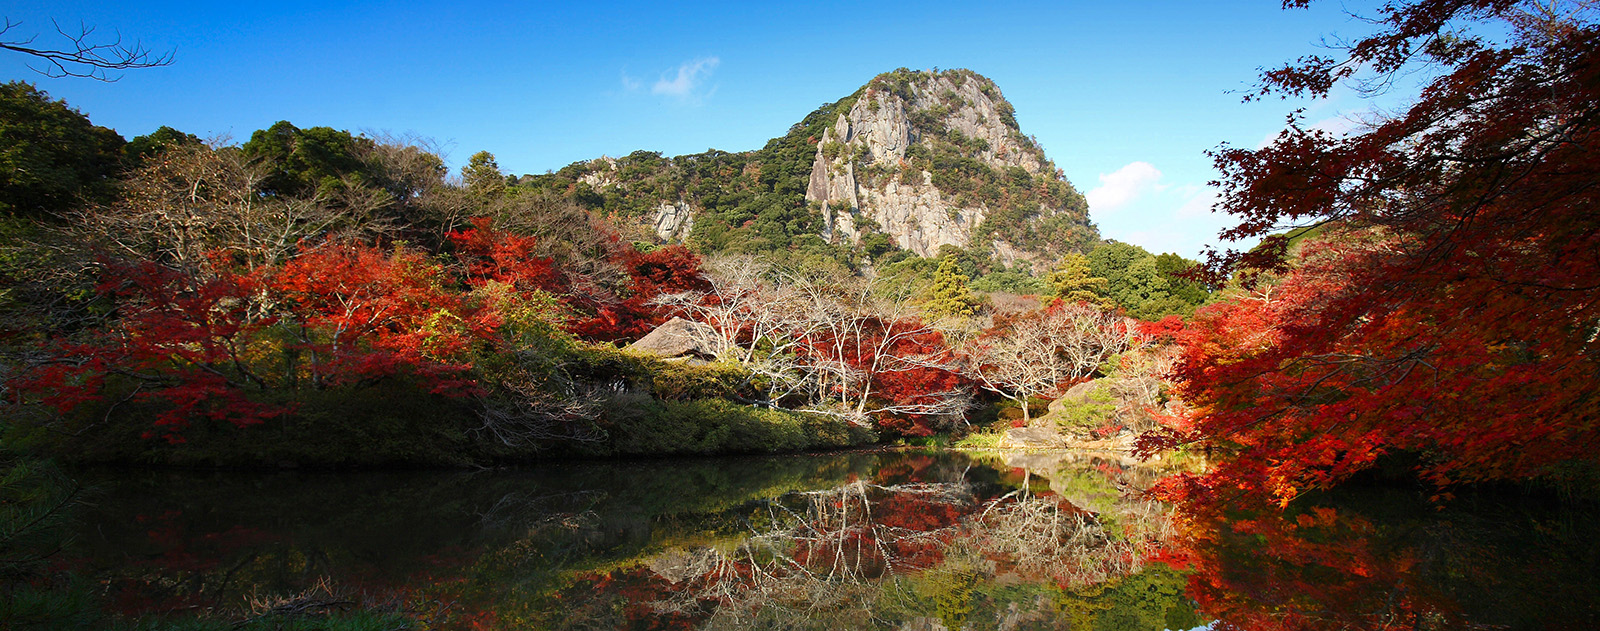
(860,173)
(674,222)
(679,338)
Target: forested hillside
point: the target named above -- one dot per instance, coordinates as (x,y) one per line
(173,299)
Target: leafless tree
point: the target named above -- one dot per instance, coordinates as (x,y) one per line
(753,317)
(198,199)
(1041,352)
(528,410)
(1137,382)
(82,56)
(820,340)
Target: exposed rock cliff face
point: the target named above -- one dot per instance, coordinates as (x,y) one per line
(914,159)
(674,221)
(875,167)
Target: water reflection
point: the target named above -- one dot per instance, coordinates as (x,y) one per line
(1386,558)
(903,541)
(889,540)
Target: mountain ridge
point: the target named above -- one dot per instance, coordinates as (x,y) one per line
(912,160)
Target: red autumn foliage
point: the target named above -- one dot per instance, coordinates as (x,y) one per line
(1449,308)
(496,255)
(664,270)
(199,347)
(601,312)
(183,339)
(366,314)
(1446,314)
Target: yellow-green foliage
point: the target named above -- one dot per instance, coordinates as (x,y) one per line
(1151,599)
(1072,281)
(981,440)
(704,426)
(681,381)
(1088,414)
(949,296)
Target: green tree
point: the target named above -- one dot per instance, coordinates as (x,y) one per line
(1072,280)
(482,175)
(51,156)
(1143,291)
(949,296)
(305,162)
(1111,261)
(143,147)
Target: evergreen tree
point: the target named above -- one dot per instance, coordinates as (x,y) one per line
(51,156)
(1072,281)
(482,175)
(949,295)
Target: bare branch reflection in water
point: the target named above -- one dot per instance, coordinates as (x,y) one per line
(853,555)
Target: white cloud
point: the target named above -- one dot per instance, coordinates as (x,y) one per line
(1199,203)
(631,84)
(1337,126)
(1123,186)
(685,84)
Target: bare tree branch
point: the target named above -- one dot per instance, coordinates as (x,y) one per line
(83,57)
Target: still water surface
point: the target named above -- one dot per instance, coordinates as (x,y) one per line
(884,540)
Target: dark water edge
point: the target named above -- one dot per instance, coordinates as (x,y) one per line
(890,539)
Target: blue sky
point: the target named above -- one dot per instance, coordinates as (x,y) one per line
(1125,97)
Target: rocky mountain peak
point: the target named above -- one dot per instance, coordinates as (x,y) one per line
(914,160)
(933,159)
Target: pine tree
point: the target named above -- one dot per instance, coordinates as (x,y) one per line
(482,175)
(1072,281)
(949,296)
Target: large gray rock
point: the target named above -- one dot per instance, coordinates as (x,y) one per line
(679,338)
(674,222)
(1078,394)
(1033,438)
(1074,396)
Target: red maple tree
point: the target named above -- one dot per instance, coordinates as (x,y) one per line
(1449,310)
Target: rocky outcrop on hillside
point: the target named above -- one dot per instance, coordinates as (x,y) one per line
(917,160)
(927,158)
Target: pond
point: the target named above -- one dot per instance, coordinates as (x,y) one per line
(868,540)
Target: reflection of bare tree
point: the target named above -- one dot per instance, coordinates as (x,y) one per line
(1045,536)
(813,555)
(518,511)
(836,556)
(845,556)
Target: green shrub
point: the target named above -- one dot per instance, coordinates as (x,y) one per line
(1091,413)
(682,381)
(980,440)
(640,425)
